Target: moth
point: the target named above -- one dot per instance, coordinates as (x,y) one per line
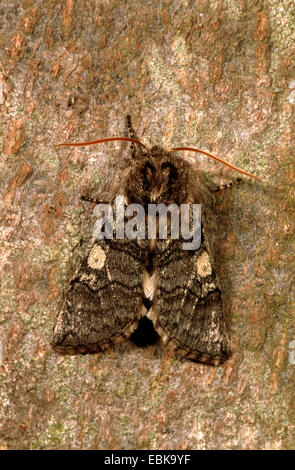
(120,281)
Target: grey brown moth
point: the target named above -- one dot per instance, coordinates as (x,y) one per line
(120,281)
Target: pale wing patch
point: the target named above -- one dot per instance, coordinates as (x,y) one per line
(149,284)
(207,288)
(203,265)
(96,257)
(88,277)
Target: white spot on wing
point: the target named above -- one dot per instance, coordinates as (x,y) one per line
(96,257)
(203,265)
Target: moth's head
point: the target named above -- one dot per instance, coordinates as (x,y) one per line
(156,177)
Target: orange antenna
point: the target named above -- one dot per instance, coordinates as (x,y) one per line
(218,159)
(129,139)
(92,142)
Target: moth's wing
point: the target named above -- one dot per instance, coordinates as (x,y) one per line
(188,311)
(102,305)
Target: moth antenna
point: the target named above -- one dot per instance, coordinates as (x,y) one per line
(99,141)
(218,159)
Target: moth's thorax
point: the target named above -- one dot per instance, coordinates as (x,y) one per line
(156,177)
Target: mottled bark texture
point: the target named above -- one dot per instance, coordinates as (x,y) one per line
(219,75)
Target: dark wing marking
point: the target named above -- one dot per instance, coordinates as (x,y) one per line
(103,303)
(188,312)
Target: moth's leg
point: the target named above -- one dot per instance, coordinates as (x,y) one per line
(95,200)
(227,185)
(132,135)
